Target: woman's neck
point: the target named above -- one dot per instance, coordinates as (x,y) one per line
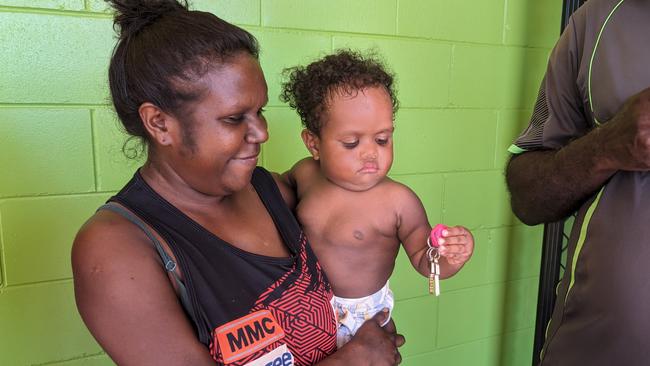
(172,187)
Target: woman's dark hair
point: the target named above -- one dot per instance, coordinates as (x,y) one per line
(162,52)
(310,88)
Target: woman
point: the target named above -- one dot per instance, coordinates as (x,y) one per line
(198,259)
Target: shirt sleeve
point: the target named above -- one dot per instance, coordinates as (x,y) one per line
(558,115)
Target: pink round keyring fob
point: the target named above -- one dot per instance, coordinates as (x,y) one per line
(436,233)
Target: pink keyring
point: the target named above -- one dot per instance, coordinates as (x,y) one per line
(436,233)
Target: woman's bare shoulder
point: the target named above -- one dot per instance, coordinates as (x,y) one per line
(125,297)
(108,233)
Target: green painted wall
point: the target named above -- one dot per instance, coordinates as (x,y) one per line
(468,74)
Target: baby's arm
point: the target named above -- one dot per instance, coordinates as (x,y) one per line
(287,190)
(300,176)
(456,246)
(292,180)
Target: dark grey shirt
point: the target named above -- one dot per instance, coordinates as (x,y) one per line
(602,313)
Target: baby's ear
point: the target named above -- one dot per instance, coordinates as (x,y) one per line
(312,142)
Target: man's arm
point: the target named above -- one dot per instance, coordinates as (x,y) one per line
(548,185)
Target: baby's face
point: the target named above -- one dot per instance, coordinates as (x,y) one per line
(356,140)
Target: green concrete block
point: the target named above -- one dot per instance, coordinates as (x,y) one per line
(477,76)
(47,58)
(2,263)
(532,23)
(233,11)
(471,314)
(509,349)
(444,140)
(479,353)
(41,324)
(514,252)
(421,67)
(535,61)
(520,76)
(285,146)
(428,188)
(100,6)
(417,18)
(477,200)
(46,151)
(100,360)
(281,49)
(113,166)
(520,304)
(37,235)
(512,123)
(419,330)
(494,76)
(514,74)
(475,21)
(517,347)
(359,16)
(46,4)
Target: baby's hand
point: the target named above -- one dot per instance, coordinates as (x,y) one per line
(456,244)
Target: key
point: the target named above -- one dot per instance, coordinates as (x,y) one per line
(434,255)
(434,276)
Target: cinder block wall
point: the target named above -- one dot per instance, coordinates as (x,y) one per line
(468,74)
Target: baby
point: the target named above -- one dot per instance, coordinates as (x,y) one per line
(354,215)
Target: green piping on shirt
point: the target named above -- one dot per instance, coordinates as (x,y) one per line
(581,240)
(514,149)
(593,55)
(579,244)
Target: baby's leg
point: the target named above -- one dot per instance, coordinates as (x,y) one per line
(352,313)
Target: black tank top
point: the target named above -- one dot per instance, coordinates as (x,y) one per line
(245,305)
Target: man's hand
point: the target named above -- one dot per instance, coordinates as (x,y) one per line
(626,137)
(548,185)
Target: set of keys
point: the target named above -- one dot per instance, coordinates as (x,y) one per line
(434,255)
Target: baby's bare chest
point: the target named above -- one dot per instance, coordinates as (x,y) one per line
(354,219)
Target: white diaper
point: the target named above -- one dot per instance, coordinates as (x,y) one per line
(352,313)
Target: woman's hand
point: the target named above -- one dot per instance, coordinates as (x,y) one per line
(372,344)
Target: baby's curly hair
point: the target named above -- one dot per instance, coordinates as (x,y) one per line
(310,88)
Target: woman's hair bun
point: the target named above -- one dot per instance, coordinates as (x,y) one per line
(131,16)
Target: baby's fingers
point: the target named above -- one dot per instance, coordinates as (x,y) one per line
(453,249)
(456,235)
(455,231)
(454,240)
(457,259)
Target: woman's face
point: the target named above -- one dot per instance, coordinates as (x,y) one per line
(223,132)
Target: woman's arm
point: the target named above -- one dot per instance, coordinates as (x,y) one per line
(126,299)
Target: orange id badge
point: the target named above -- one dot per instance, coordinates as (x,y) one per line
(247,335)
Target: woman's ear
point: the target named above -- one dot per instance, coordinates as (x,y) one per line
(157,123)
(312,142)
